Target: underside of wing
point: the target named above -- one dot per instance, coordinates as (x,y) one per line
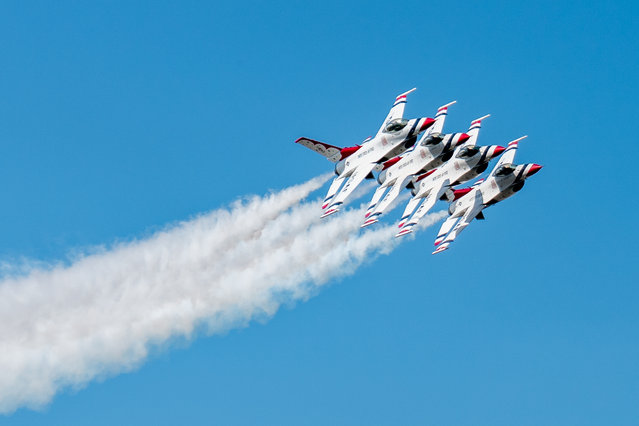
(353,182)
(424,208)
(332,153)
(444,238)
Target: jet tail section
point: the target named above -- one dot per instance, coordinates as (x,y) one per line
(473,130)
(508,156)
(440,118)
(397,111)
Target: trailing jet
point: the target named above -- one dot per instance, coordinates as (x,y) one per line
(433,149)
(504,181)
(356,163)
(468,162)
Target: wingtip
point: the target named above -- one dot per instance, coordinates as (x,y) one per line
(368,223)
(403,232)
(329,212)
(440,249)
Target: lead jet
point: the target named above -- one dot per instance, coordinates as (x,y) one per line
(504,181)
(354,164)
(433,149)
(468,162)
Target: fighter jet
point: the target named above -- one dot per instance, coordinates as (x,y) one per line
(433,149)
(504,181)
(356,163)
(468,162)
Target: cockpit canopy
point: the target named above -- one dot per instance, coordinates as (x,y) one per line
(395,125)
(433,139)
(505,169)
(467,151)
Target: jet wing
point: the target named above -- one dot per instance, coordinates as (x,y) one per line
(332,153)
(397,111)
(391,196)
(335,186)
(424,208)
(377,196)
(353,182)
(408,211)
(426,205)
(376,210)
(444,238)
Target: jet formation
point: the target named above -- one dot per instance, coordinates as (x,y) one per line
(416,155)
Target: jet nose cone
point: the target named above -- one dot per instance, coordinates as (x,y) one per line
(426,123)
(533,169)
(463,138)
(498,150)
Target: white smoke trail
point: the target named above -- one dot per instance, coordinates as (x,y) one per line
(68,324)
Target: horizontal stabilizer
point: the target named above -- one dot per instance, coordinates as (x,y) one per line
(331,152)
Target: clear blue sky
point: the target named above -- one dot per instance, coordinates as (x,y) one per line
(116,119)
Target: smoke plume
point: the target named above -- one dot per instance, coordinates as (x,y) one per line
(99,315)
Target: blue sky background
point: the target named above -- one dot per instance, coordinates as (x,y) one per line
(116,119)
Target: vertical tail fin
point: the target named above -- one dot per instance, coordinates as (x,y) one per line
(397,110)
(473,130)
(440,118)
(508,156)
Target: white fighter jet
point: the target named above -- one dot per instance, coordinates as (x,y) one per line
(433,149)
(356,163)
(468,162)
(504,181)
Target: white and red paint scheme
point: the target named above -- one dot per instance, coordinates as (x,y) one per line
(467,162)
(432,150)
(354,164)
(503,181)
